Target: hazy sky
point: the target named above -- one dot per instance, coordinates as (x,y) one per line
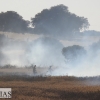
(28,8)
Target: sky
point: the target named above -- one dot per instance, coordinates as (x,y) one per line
(29,8)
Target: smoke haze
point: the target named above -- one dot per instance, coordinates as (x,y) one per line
(47,51)
(42,45)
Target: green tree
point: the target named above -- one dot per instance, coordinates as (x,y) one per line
(58,21)
(10,21)
(74,53)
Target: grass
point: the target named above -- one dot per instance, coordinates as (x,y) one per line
(51,88)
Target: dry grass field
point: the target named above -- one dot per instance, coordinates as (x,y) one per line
(51,88)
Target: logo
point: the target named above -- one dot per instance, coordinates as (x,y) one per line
(5,93)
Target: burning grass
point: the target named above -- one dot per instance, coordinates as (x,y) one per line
(51,88)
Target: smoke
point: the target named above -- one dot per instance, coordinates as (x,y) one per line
(89,65)
(3,40)
(43,52)
(55,25)
(11,51)
(47,51)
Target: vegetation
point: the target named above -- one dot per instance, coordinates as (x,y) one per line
(11,21)
(51,88)
(73,53)
(58,21)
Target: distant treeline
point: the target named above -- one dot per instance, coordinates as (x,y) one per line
(56,21)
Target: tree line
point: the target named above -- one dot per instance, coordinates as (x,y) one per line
(56,21)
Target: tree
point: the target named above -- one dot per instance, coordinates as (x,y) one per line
(74,53)
(58,21)
(10,21)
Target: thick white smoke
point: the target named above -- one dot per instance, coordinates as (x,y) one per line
(45,52)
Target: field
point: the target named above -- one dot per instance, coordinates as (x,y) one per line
(25,87)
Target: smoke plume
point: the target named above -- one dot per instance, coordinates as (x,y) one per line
(47,51)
